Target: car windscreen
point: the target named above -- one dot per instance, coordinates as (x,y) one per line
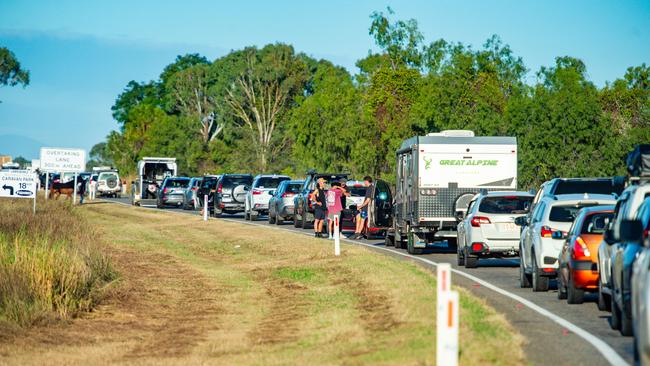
(270,182)
(293,188)
(234,181)
(505,205)
(565,213)
(593,187)
(177,183)
(596,223)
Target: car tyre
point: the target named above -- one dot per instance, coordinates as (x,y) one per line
(253,216)
(279,220)
(296,223)
(460,256)
(524,278)
(627,329)
(615,320)
(540,283)
(272,219)
(303,223)
(603,300)
(574,295)
(389,240)
(470,260)
(410,242)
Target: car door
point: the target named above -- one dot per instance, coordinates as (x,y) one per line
(464,226)
(380,210)
(531,231)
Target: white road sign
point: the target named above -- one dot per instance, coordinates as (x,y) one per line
(55,159)
(17,184)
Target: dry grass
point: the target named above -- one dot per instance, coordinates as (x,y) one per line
(227,294)
(51,265)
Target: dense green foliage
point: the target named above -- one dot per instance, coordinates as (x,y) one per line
(272,109)
(11,73)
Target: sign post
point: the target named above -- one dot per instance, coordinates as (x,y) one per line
(62,160)
(337,236)
(205,208)
(18,184)
(47,184)
(446,318)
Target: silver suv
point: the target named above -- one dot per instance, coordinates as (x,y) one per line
(231,193)
(259,194)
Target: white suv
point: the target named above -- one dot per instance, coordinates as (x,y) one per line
(108,184)
(259,195)
(488,230)
(542,241)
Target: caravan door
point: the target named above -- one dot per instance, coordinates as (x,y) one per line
(380,210)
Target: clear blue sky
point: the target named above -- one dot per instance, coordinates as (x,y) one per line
(82,53)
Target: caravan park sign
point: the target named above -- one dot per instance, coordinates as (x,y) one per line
(62,160)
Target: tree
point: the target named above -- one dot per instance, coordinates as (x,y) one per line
(261,94)
(99,156)
(21,161)
(133,95)
(11,73)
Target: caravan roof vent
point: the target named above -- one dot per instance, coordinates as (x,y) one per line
(453,133)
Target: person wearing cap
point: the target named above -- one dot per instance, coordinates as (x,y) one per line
(320,207)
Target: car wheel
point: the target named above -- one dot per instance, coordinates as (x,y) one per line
(253,216)
(271,219)
(460,256)
(615,320)
(470,260)
(626,323)
(540,283)
(524,278)
(303,223)
(296,223)
(603,300)
(574,295)
(279,220)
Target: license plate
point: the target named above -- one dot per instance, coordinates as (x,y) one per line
(509,226)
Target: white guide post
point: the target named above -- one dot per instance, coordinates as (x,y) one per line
(74,195)
(205,208)
(47,184)
(337,236)
(446,318)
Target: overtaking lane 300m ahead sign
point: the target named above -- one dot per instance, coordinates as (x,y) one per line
(17,184)
(54,159)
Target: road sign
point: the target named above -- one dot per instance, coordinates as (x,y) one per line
(54,159)
(17,184)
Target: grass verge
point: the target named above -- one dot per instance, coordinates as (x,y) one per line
(51,264)
(232,294)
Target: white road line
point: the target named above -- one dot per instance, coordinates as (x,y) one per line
(608,352)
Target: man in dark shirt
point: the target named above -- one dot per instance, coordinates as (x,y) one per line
(363,209)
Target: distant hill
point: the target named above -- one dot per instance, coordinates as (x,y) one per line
(16,145)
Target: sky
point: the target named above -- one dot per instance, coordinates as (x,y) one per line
(81,54)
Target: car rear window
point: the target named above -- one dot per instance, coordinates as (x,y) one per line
(270,182)
(357,191)
(103,176)
(565,213)
(234,181)
(505,205)
(596,223)
(293,188)
(177,183)
(593,187)
(210,183)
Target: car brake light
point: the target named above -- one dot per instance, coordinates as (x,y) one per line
(548,270)
(165,190)
(546,232)
(220,188)
(580,248)
(478,220)
(256,192)
(646,232)
(287,194)
(477,247)
(195,189)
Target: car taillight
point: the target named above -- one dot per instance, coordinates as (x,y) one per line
(646,233)
(220,188)
(195,189)
(477,247)
(546,232)
(165,190)
(478,220)
(256,192)
(580,248)
(287,194)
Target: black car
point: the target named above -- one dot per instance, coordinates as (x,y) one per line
(303,210)
(230,195)
(208,186)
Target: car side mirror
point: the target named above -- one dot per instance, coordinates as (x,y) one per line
(558,235)
(521,221)
(272,193)
(631,230)
(460,215)
(608,237)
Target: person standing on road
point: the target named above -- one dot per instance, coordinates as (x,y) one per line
(363,209)
(320,207)
(92,186)
(334,196)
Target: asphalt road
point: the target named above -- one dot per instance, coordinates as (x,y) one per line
(556,333)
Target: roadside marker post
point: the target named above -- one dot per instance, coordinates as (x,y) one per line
(205,207)
(47,183)
(446,318)
(74,194)
(337,236)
